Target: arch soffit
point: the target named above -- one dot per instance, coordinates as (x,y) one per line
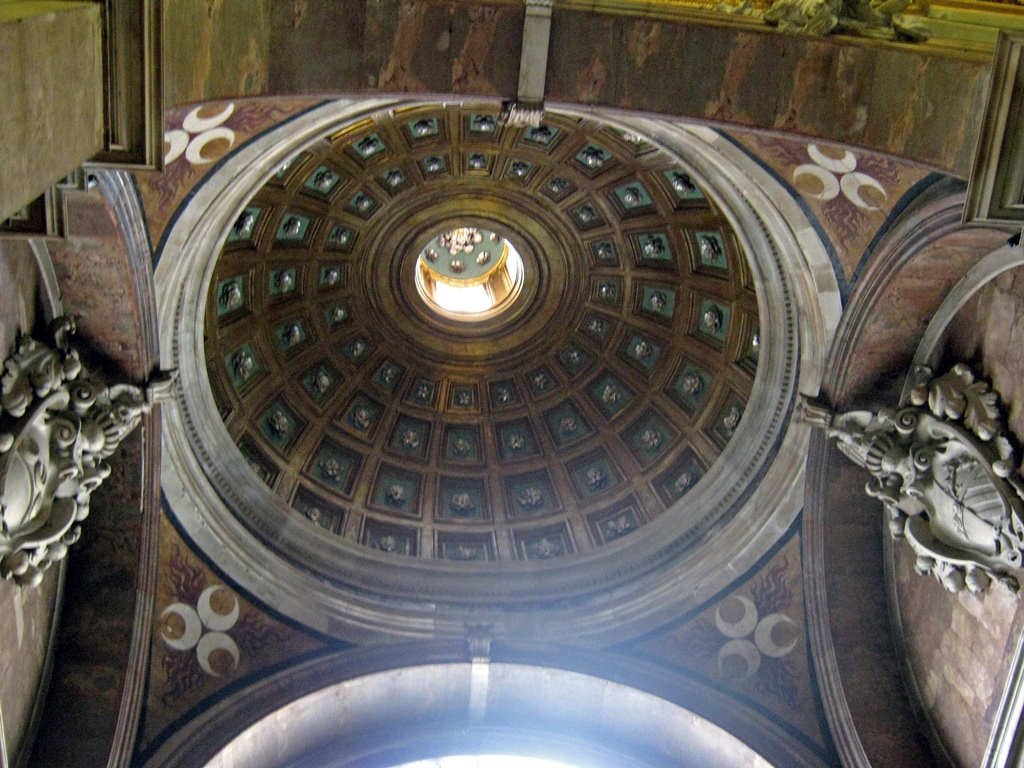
(437,704)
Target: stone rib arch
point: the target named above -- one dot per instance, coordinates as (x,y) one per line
(327,712)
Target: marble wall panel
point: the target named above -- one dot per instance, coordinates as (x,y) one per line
(209,640)
(95,272)
(960,646)
(872,679)
(93,645)
(397,46)
(336,31)
(25,638)
(900,288)
(305,46)
(19,282)
(215,49)
(917,101)
(96,287)
(889,340)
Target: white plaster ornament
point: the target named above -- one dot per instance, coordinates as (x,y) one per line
(945,470)
(57,428)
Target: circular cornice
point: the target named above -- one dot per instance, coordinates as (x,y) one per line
(339,586)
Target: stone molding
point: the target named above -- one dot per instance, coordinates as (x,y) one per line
(120,193)
(996,192)
(1010,256)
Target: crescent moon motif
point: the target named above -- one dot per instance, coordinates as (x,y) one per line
(174,142)
(194,152)
(766,644)
(215,641)
(739,659)
(844,164)
(189,637)
(852,183)
(829,182)
(193,123)
(217,622)
(742,626)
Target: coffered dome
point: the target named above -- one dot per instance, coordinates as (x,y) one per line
(606,362)
(612,422)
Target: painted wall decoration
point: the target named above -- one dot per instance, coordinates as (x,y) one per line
(751,643)
(838,175)
(208,640)
(203,635)
(195,138)
(852,194)
(200,139)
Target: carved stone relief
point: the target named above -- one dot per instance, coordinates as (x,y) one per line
(57,428)
(882,19)
(945,470)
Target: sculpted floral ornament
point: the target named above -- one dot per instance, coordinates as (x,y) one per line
(462,503)
(683,482)
(331,468)
(324,180)
(596,478)
(709,248)
(292,226)
(322,381)
(620,525)
(945,470)
(244,225)
(712,320)
(339,236)
(231,296)
(683,184)
(461,240)
(882,19)
(57,429)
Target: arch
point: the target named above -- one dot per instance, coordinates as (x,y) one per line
(374,708)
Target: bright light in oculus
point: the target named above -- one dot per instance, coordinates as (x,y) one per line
(469,273)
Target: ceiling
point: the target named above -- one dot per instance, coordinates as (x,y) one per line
(590,406)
